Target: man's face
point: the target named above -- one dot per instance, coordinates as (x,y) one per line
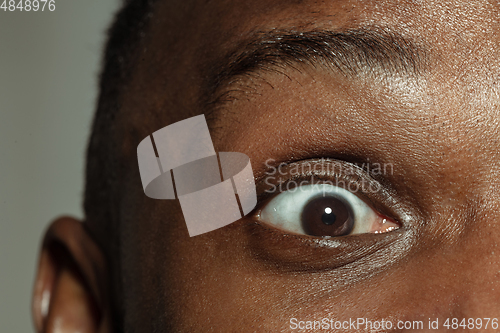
(410,84)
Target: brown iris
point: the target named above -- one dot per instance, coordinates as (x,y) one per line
(327,216)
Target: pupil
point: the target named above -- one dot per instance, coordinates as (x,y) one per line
(327,216)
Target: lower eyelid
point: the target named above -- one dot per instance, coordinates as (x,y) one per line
(287,252)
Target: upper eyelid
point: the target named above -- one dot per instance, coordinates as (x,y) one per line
(355,173)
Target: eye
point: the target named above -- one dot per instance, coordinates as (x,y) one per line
(323,210)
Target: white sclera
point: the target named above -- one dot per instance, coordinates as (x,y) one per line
(285,209)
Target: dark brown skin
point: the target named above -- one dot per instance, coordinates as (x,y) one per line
(440,132)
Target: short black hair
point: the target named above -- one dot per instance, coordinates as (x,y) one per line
(103,167)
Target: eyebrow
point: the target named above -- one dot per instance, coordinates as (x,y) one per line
(367,51)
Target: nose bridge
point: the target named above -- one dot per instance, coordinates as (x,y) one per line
(462,252)
(474,265)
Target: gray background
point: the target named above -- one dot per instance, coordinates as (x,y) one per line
(49,62)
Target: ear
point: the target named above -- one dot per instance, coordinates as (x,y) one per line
(70,286)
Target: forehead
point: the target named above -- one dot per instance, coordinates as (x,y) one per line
(187,39)
(208,26)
